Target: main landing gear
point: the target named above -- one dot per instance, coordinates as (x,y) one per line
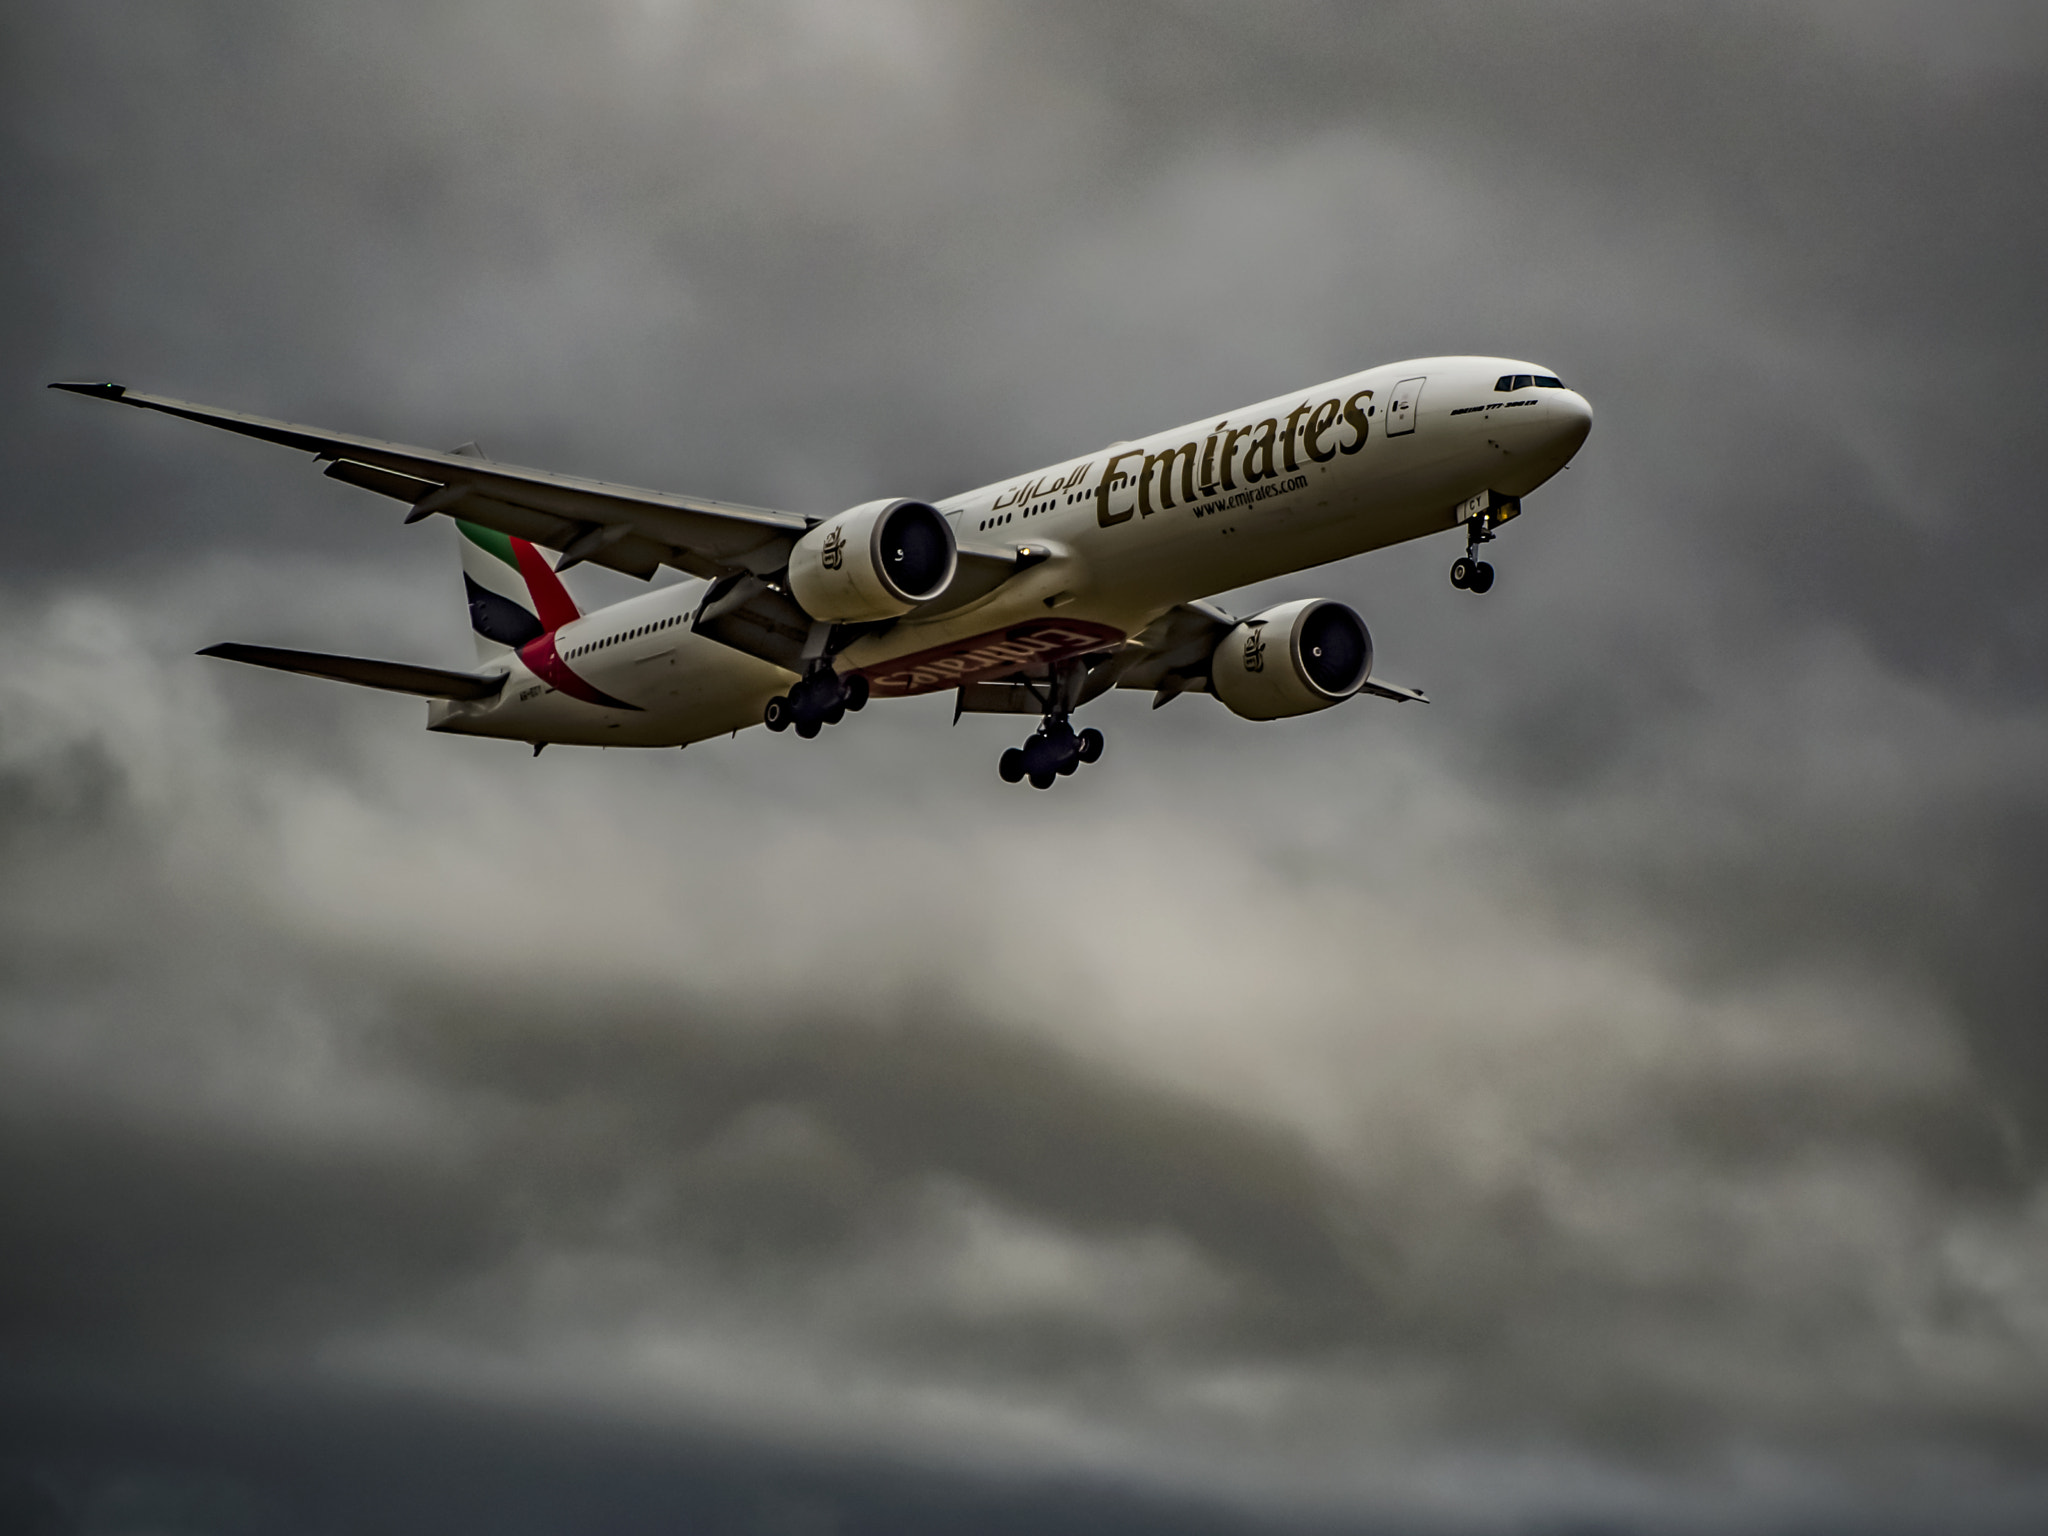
(824,698)
(1056,749)
(1469,573)
(1054,752)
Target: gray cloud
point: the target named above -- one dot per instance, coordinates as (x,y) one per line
(1610,1097)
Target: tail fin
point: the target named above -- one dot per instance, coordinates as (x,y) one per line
(514,594)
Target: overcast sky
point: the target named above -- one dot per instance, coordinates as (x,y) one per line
(1612,1098)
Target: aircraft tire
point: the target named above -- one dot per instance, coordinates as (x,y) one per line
(1482,577)
(1040,756)
(1012,765)
(1461,572)
(835,714)
(1091,745)
(1069,764)
(809,728)
(856,693)
(776,716)
(1043,780)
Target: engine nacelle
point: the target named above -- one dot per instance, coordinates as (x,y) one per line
(1292,660)
(873,562)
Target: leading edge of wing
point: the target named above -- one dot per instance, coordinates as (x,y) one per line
(724,532)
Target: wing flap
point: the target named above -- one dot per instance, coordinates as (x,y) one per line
(391,676)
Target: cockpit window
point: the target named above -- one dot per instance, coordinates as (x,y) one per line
(1509,382)
(1545,381)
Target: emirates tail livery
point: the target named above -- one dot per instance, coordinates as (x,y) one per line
(1028,597)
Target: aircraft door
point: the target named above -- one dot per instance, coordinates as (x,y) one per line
(1401,406)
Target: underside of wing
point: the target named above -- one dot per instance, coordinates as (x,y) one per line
(1172,656)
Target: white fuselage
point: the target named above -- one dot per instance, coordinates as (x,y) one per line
(1127,532)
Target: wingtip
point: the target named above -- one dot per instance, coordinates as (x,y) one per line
(102,389)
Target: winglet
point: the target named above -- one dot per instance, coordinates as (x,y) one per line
(103,390)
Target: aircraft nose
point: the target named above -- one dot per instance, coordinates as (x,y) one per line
(1571,420)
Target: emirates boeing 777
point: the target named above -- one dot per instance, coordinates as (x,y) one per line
(1029,597)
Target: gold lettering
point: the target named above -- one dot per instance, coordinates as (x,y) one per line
(1209,462)
(1261,450)
(1102,513)
(1164,463)
(1293,418)
(1354,417)
(1312,433)
(1230,453)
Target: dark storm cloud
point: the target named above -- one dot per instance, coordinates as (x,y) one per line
(1612,1094)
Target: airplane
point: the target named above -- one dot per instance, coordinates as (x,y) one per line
(1031,596)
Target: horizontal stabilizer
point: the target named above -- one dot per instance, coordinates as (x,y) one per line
(392,676)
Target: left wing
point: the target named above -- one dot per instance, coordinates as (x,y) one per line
(740,549)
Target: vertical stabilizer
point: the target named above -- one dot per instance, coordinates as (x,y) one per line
(514,594)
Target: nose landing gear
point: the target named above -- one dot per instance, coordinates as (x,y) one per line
(1056,751)
(821,699)
(1469,573)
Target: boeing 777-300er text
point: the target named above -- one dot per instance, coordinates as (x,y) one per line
(1031,596)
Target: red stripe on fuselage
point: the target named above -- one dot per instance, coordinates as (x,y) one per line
(545,662)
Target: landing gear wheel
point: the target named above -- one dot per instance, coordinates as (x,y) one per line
(856,694)
(1091,745)
(1482,577)
(1041,757)
(835,714)
(1068,765)
(1043,780)
(808,728)
(1012,765)
(777,715)
(1461,572)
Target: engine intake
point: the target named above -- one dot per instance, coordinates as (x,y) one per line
(1292,660)
(873,562)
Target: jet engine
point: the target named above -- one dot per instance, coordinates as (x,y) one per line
(1292,660)
(874,562)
